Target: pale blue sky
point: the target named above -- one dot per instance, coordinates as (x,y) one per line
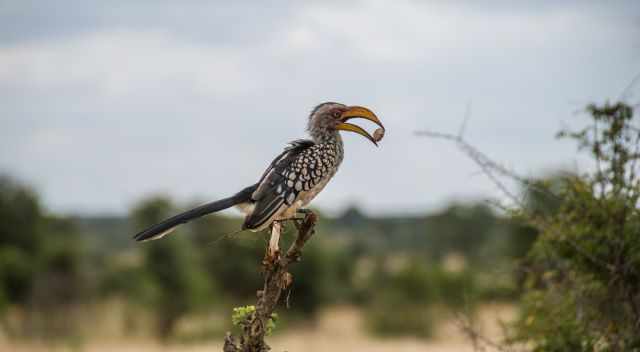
(106,102)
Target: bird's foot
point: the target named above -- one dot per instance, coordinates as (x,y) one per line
(270,258)
(297,221)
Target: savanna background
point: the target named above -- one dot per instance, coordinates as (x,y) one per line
(115,115)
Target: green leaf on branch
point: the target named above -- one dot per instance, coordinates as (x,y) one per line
(242,314)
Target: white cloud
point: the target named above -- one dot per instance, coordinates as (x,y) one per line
(118,63)
(410,31)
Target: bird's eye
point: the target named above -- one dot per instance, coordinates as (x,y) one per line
(336,114)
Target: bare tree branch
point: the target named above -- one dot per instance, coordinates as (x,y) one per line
(480,342)
(276,279)
(626,92)
(493,170)
(489,167)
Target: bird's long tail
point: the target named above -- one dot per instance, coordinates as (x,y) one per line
(165,227)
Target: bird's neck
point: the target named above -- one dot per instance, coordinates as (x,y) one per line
(327,137)
(333,141)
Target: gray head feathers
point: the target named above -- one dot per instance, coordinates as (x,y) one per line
(323,120)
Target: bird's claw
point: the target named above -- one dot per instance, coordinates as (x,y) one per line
(271,257)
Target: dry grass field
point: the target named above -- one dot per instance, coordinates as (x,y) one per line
(338,329)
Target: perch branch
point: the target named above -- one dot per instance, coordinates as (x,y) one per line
(276,279)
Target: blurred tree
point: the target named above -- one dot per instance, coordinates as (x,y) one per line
(400,300)
(231,258)
(406,293)
(461,229)
(41,264)
(322,278)
(21,239)
(174,268)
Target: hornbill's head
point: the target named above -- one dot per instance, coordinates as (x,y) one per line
(327,119)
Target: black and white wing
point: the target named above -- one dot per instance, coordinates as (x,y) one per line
(277,188)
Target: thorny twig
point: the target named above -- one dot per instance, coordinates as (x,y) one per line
(493,170)
(626,92)
(479,341)
(489,167)
(276,279)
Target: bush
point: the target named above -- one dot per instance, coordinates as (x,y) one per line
(582,290)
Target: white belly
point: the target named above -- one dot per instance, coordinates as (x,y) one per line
(304,198)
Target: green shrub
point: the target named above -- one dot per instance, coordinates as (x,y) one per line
(582,288)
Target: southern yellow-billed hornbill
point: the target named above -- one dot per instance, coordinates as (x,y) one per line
(293,179)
